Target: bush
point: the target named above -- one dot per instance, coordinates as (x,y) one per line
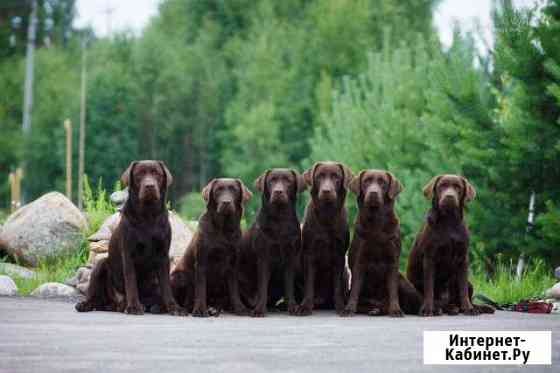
(191,206)
(504,287)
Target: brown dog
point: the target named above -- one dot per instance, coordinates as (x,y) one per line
(272,244)
(438,264)
(137,268)
(207,273)
(377,284)
(325,238)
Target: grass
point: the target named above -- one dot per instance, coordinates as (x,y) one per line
(97,208)
(504,287)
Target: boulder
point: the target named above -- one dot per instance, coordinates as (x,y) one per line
(80,280)
(54,290)
(47,227)
(16,271)
(181,236)
(557,272)
(7,286)
(553,292)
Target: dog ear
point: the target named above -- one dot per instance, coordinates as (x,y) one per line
(309,174)
(300,182)
(347,172)
(356,183)
(168,176)
(126,177)
(207,191)
(260,183)
(395,186)
(245,193)
(431,187)
(470,192)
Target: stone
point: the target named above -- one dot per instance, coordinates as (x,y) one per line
(557,272)
(55,290)
(80,280)
(181,236)
(119,197)
(554,292)
(7,286)
(48,227)
(16,271)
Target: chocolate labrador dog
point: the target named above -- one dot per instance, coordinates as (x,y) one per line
(207,273)
(438,264)
(378,288)
(272,244)
(137,268)
(325,238)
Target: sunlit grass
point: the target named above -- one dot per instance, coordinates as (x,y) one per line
(504,287)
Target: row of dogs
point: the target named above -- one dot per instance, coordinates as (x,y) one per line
(279,263)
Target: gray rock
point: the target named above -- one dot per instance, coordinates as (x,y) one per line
(80,280)
(7,286)
(557,272)
(16,271)
(553,292)
(119,197)
(54,290)
(181,236)
(47,227)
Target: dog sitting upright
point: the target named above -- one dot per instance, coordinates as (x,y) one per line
(207,275)
(378,288)
(272,245)
(438,265)
(137,268)
(325,238)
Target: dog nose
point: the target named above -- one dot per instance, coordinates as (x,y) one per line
(277,192)
(227,202)
(150,186)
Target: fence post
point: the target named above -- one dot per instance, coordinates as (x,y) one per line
(15,189)
(68,128)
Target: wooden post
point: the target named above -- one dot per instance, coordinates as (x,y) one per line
(82,138)
(15,189)
(12,179)
(68,128)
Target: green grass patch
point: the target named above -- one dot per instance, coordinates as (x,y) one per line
(504,287)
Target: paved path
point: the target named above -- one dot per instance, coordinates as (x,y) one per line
(49,336)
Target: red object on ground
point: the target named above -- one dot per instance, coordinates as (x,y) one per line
(533,307)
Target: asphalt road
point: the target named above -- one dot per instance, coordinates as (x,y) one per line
(49,336)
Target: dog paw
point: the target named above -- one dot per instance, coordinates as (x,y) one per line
(84,307)
(134,309)
(292,308)
(395,312)
(258,313)
(347,312)
(426,311)
(175,310)
(375,312)
(452,310)
(200,312)
(471,311)
(303,311)
(241,311)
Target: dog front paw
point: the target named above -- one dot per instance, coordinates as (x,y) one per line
(84,306)
(176,310)
(200,312)
(304,310)
(469,311)
(292,308)
(395,311)
(134,309)
(426,310)
(347,312)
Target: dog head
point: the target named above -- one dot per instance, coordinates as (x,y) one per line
(328,181)
(280,186)
(226,196)
(375,188)
(449,192)
(147,180)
